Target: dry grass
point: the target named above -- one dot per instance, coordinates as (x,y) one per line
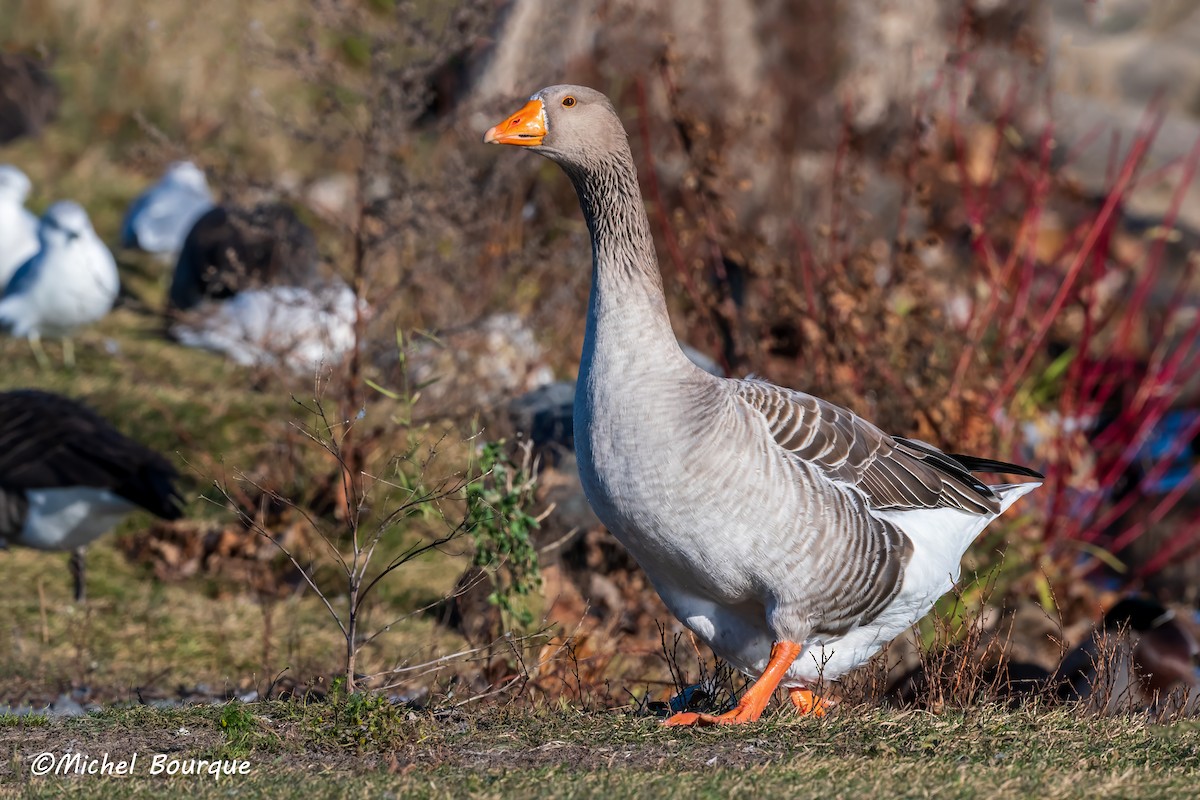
(338,750)
(137,639)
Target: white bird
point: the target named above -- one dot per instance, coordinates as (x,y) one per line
(159,219)
(72,281)
(791,536)
(300,328)
(67,476)
(18,227)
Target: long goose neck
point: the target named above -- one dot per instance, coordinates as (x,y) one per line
(627,308)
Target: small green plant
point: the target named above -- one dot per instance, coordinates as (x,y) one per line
(237,723)
(498,508)
(368,718)
(11,720)
(361,720)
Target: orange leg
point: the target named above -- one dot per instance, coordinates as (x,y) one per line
(751,706)
(808,703)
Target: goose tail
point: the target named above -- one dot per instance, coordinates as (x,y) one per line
(1010,493)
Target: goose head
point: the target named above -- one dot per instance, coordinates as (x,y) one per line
(573,125)
(14,184)
(65,221)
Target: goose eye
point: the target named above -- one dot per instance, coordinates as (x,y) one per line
(568,101)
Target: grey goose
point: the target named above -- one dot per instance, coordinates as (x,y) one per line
(791,536)
(67,476)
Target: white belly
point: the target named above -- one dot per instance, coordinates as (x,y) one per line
(64,310)
(742,634)
(63,519)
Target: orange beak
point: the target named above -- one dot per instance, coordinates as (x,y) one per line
(527,127)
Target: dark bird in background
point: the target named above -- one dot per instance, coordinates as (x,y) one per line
(1138,655)
(230,249)
(67,476)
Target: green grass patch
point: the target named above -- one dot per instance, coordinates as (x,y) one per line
(300,750)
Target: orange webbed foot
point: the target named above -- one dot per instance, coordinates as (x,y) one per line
(755,699)
(737,716)
(808,703)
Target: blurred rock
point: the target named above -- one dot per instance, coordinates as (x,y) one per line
(544,416)
(559,486)
(1005,655)
(511,66)
(1110,60)
(66,706)
(478,366)
(945,682)
(891,51)
(29,96)
(333,195)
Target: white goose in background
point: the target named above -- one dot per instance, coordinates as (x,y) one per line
(72,281)
(18,227)
(160,218)
(303,329)
(791,536)
(67,476)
